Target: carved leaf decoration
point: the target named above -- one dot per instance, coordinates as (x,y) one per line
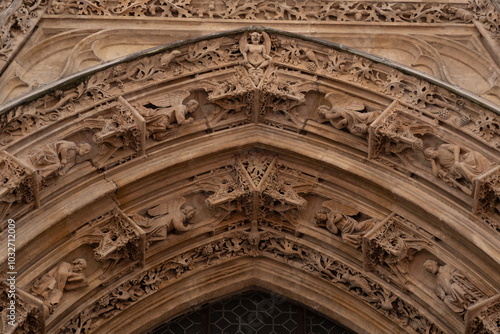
(342,101)
(335,206)
(170,100)
(487,126)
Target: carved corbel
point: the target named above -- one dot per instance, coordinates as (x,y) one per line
(28,315)
(257,186)
(20,183)
(396,133)
(487,197)
(390,246)
(124,129)
(484,317)
(118,237)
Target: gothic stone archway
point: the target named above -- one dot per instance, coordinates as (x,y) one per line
(253,158)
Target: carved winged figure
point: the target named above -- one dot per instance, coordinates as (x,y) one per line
(171,110)
(345,113)
(337,219)
(256,55)
(453,287)
(168,216)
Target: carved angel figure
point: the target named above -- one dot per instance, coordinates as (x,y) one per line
(168,216)
(345,113)
(58,157)
(171,110)
(448,164)
(338,220)
(256,55)
(64,277)
(453,287)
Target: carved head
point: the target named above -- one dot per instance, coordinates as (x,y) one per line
(79,264)
(323,111)
(255,37)
(188,211)
(431,153)
(321,217)
(192,105)
(431,266)
(84,148)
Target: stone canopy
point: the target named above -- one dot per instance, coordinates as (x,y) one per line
(355,185)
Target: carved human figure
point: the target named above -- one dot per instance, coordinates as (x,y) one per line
(172,110)
(447,163)
(58,157)
(256,55)
(345,113)
(64,277)
(168,216)
(337,220)
(452,287)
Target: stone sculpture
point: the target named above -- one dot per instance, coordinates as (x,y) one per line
(337,219)
(57,158)
(65,277)
(345,113)
(452,287)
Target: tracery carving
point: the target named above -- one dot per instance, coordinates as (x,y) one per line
(452,287)
(20,18)
(172,215)
(254,242)
(19,183)
(64,277)
(338,219)
(164,112)
(257,185)
(487,197)
(391,246)
(484,317)
(486,13)
(346,113)
(456,169)
(120,239)
(29,316)
(396,133)
(57,158)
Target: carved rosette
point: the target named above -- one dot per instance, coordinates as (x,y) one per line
(29,312)
(390,245)
(487,197)
(484,317)
(257,186)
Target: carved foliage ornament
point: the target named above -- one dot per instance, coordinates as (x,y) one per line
(391,245)
(257,185)
(282,89)
(245,244)
(487,197)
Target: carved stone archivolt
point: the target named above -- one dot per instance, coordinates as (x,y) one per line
(484,317)
(28,315)
(255,145)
